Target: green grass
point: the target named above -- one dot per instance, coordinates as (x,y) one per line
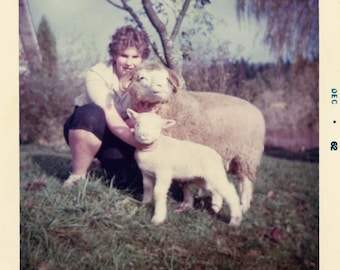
(95,227)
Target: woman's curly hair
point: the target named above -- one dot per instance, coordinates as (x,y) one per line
(129,36)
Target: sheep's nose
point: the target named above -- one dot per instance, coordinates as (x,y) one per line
(143,135)
(156,86)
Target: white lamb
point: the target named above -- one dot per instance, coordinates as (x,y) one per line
(168,158)
(230,125)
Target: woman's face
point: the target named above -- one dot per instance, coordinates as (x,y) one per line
(127,60)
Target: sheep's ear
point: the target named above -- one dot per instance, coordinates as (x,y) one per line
(126,81)
(174,80)
(168,123)
(132,114)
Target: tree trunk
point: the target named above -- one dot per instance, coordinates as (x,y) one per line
(170,54)
(28,37)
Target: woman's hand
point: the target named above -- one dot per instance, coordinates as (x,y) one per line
(119,127)
(130,123)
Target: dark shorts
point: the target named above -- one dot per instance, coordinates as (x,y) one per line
(91,118)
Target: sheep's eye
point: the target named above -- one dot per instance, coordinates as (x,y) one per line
(142,78)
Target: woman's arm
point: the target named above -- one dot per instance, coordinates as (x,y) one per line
(118,126)
(98,82)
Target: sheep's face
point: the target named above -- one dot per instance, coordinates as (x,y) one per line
(155,85)
(148,126)
(151,83)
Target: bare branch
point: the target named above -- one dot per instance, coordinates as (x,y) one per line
(170,6)
(141,26)
(115,5)
(133,14)
(155,21)
(161,30)
(179,19)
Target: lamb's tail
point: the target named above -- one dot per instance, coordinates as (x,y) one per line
(244,166)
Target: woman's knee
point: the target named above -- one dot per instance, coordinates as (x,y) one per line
(85,139)
(90,118)
(90,114)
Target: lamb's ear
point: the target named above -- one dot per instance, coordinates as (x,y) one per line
(167,123)
(174,80)
(132,114)
(126,81)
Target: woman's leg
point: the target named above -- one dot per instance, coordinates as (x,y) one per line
(84,146)
(83,132)
(117,160)
(88,137)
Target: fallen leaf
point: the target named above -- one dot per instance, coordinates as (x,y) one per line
(275,235)
(261,232)
(254,252)
(25,165)
(270,194)
(42,266)
(198,267)
(36,185)
(28,204)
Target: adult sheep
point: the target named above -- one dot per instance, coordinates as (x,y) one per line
(232,126)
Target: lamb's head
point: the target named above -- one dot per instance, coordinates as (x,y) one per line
(151,83)
(148,125)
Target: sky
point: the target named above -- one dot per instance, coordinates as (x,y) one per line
(92,22)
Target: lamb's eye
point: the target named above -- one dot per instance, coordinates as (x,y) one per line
(142,78)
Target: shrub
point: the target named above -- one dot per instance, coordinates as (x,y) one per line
(45,102)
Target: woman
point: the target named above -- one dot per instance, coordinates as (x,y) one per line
(97,126)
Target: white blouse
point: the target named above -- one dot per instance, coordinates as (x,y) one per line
(102,88)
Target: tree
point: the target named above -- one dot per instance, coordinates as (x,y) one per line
(28,37)
(169,56)
(48,48)
(292,25)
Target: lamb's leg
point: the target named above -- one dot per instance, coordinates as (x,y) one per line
(228,192)
(216,202)
(233,200)
(246,193)
(160,196)
(188,201)
(148,185)
(221,186)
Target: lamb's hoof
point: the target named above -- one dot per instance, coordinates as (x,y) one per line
(184,206)
(245,207)
(216,208)
(157,221)
(235,221)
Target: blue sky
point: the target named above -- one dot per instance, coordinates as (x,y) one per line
(90,23)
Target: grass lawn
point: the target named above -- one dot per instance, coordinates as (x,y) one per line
(93,226)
